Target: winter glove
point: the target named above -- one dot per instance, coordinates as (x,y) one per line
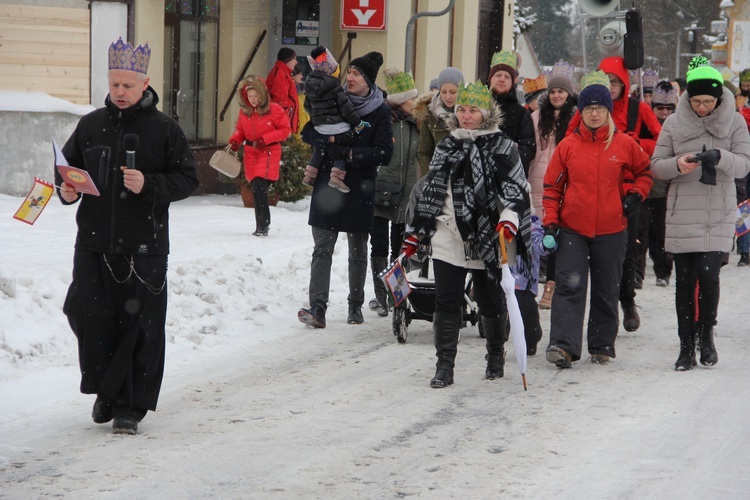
(362,125)
(234,144)
(507,229)
(550,237)
(630,203)
(709,159)
(338,152)
(410,245)
(260,143)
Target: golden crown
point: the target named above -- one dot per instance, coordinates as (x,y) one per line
(595,78)
(505,57)
(123,56)
(475,94)
(535,85)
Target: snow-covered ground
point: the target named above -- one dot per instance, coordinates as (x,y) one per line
(256,405)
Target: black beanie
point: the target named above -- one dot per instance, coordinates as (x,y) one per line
(369,65)
(286,54)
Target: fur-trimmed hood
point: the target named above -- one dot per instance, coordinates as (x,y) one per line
(257,83)
(490,124)
(430,103)
(718,123)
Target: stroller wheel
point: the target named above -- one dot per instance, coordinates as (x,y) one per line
(399,324)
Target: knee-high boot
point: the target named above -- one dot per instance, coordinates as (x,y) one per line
(380,304)
(709,357)
(495,333)
(445,327)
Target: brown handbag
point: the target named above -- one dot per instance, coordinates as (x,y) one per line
(226,161)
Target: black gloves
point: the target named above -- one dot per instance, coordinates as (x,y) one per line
(630,203)
(338,152)
(550,237)
(709,159)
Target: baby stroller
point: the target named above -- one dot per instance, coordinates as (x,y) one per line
(420,303)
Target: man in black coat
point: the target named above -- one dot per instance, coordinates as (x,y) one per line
(516,120)
(117,302)
(332,211)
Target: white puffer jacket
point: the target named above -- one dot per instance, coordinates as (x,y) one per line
(700,218)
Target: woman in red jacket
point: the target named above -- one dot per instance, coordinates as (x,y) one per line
(281,86)
(585,213)
(262,125)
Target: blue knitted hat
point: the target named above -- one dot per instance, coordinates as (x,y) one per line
(595,95)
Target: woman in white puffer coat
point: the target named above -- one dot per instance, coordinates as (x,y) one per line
(702,148)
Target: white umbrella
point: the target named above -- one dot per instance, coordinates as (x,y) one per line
(514,313)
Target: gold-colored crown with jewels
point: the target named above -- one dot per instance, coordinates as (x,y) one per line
(505,57)
(123,56)
(534,85)
(475,94)
(595,78)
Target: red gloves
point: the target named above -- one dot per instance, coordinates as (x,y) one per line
(234,144)
(260,143)
(410,245)
(507,229)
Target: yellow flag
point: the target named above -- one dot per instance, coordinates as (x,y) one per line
(35,201)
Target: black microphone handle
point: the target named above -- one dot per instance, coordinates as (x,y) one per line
(130,158)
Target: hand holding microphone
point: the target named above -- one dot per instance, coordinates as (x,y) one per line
(132,178)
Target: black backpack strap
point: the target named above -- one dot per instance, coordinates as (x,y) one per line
(633,105)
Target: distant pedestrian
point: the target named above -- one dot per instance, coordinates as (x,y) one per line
(281,86)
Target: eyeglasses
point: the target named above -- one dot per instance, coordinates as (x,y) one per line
(594,109)
(706,103)
(616,83)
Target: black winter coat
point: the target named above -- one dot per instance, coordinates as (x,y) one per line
(326,101)
(352,212)
(119,221)
(516,122)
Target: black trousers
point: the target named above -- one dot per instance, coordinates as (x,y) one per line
(450,283)
(386,236)
(119,323)
(627,283)
(700,268)
(260,196)
(578,255)
(651,237)
(532,325)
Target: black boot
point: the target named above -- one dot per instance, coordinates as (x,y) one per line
(380,303)
(686,359)
(445,327)
(709,357)
(494,332)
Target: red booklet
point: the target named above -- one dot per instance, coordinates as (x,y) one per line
(76,177)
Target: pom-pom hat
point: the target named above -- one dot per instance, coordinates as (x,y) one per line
(595,91)
(123,56)
(400,86)
(702,79)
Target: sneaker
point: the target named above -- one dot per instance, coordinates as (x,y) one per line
(631,319)
(125,425)
(377,307)
(315,316)
(338,184)
(559,356)
(744,260)
(599,359)
(662,281)
(355,315)
(102,411)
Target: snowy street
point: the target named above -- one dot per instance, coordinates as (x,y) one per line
(256,405)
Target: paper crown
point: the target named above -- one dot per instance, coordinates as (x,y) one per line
(664,94)
(535,85)
(400,86)
(123,56)
(649,78)
(505,57)
(475,94)
(561,68)
(745,75)
(595,78)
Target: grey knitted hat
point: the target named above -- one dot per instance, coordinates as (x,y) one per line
(450,75)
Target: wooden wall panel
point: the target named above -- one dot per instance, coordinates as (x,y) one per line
(46,49)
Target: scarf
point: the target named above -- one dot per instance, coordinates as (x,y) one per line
(398,114)
(367,104)
(478,182)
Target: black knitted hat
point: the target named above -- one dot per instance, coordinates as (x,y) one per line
(369,65)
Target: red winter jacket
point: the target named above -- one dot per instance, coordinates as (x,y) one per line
(583,186)
(745,112)
(268,121)
(283,92)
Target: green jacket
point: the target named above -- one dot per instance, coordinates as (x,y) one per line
(429,110)
(402,168)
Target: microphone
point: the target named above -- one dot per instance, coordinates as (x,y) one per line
(130,141)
